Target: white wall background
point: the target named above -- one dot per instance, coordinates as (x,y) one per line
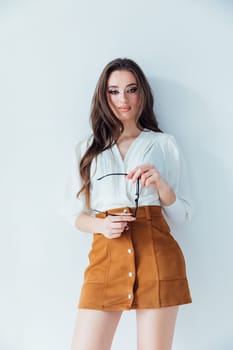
(52,53)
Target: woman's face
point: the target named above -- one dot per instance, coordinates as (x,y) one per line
(123,95)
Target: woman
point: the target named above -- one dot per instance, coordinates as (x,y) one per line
(128,178)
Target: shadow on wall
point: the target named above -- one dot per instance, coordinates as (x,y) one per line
(227,344)
(205,140)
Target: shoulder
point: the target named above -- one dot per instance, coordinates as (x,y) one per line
(163,139)
(164,143)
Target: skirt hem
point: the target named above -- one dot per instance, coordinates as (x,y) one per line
(133,307)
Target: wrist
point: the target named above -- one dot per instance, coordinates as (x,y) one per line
(87,223)
(98,225)
(162,186)
(169,199)
(166,194)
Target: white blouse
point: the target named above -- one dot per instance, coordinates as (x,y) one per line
(158,149)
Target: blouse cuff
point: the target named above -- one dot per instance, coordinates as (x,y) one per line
(177,211)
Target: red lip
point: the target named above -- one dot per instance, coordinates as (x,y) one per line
(124,108)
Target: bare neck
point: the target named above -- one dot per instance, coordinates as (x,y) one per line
(130,131)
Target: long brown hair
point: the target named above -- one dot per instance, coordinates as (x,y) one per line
(106,127)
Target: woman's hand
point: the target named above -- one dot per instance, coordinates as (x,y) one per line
(113,226)
(150,176)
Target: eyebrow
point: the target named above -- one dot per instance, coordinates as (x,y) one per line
(116,86)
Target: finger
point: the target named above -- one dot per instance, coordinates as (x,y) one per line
(145,176)
(118,226)
(137,175)
(143,168)
(111,235)
(122,228)
(132,173)
(140,171)
(154,179)
(122,218)
(114,236)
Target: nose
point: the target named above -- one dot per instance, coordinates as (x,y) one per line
(123,98)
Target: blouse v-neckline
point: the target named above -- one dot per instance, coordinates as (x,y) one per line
(129,150)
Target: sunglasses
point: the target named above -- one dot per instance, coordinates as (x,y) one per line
(134,213)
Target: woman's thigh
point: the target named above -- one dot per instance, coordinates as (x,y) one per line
(155,328)
(94,329)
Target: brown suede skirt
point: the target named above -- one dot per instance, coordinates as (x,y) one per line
(144,268)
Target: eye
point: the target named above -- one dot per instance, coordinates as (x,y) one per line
(113,92)
(132,90)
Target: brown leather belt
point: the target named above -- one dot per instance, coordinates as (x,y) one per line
(146,211)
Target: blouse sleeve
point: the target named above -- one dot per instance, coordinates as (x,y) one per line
(74,205)
(180,210)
